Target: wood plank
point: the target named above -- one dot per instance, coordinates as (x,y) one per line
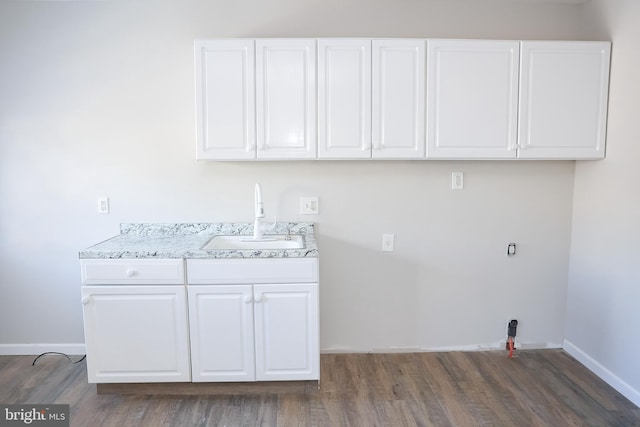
(538,388)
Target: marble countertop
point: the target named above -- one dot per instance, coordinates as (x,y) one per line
(186,241)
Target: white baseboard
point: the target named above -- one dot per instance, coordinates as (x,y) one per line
(36,349)
(609,377)
(499,345)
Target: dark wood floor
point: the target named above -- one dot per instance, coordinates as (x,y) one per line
(538,388)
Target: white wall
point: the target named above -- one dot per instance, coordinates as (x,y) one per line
(97,99)
(603,307)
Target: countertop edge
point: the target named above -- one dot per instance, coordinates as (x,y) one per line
(185,241)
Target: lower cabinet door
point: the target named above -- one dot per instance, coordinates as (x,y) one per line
(136,333)
(221,324)
(286,332)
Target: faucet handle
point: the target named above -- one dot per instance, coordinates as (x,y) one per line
(275,222)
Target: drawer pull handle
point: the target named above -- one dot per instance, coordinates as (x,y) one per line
(131,272)
(85,300)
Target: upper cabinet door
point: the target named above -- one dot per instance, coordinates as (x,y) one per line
(225,99)
(398,130)
(472,99)
(563,99)
(344,98)
(286,98)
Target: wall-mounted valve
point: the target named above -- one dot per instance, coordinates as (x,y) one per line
(511,336)
(513,325)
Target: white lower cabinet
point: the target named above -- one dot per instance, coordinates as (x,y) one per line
(221,325)
(142,324)
(135,320)
(254,319)
(262,332)
(287,332)
(136,333)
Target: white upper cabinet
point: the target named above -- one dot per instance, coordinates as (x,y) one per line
(472,99)
(286,98)
(563,99)
(225,99)
(344,98)
(398,99)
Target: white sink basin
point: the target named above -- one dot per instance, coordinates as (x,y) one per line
(270,241)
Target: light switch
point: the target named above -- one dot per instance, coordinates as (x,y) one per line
(387,242)
(457,180)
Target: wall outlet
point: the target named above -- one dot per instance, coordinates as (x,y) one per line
(309,206)
(103,205)
(387,242)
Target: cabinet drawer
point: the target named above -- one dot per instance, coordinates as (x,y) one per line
(132,271)
(271,270)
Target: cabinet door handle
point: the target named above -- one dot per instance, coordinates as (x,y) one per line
(248,299)
(85,300)
(258,298)
(517,147)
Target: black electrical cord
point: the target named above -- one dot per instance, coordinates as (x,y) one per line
(60,354)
